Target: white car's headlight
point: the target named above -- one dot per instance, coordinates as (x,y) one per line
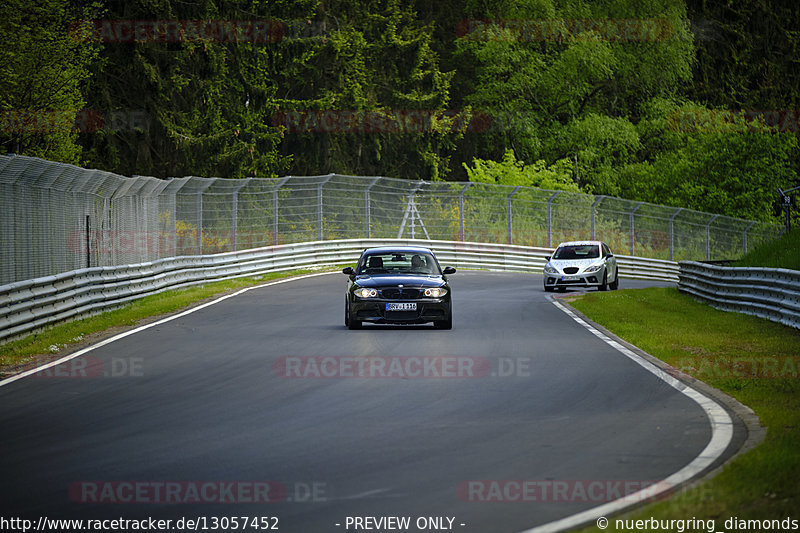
(435,293)
(366,293)
(550,270)
(594,268)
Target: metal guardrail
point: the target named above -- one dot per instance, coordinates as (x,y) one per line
(30,305)
(772,293)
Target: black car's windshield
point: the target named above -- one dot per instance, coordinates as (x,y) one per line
(577,251)
(399,263)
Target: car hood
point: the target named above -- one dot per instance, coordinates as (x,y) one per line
(393,281)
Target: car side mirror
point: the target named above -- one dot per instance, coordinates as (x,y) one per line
(547,258)
(449,270)
(349,271)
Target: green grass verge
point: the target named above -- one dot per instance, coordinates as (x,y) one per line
(32,349)
(783,252)
(753,360)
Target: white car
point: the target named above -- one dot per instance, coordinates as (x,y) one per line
(581,264)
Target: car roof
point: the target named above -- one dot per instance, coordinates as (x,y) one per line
(392,249)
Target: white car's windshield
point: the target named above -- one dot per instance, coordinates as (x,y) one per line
(579,251)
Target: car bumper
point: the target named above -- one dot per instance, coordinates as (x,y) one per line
(580,280)
(429,310)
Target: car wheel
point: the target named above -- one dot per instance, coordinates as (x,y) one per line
(348,320)
(604,286)
(444,324)
(548,289)
(614,286)
(562,289)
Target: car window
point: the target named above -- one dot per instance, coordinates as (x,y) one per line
(398,263)
(577,251)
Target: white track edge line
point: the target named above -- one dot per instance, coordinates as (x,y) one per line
(721,436)
(150,325)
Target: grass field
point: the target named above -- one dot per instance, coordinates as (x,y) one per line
(751,359)
(783,252)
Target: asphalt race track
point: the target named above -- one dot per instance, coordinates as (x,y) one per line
(264,389)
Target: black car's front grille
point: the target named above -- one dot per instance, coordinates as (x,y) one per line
(571,270)
(402,315)
(401,294)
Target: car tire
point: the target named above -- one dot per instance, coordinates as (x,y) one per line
(348,320)
(444,324)
(562,289)
(614,286)
(604,286)
(548,289)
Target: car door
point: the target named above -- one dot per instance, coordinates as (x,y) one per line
(611,262)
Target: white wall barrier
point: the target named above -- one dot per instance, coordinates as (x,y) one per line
(772,293)
(30,305)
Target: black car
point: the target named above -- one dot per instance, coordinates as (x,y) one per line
(398,285)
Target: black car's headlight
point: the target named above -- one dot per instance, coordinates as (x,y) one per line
(550,270)
(435,292)
(365,292)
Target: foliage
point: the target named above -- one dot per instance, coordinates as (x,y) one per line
(43,73)
(595,91)
(510,171)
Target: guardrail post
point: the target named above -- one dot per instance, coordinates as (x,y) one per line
(367,212)
(708,237)
(633,233)
(320,232)
(461,211)
(672,233)
(508,211)
(594,208)
(550,219)
(275,227)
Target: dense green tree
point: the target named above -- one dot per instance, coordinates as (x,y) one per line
(43,72)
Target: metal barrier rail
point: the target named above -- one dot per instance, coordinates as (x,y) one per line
(33,304)
(772,293)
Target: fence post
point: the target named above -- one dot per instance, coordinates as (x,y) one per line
(672,233)
(708,237)
(275,209)
(199,206)
(367,212)
(508,210)
(744,237)
(550,219)
(461,211)
(235,212)
(594,206)
(320,233)
(633,233)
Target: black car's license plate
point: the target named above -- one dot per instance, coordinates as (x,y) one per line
(401,306)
